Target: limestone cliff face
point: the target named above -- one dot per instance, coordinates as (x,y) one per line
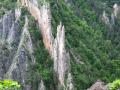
(16,50)
(55,46)
(112,21)
(114,15)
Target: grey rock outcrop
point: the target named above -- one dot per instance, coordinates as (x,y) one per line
(99,85)
(55,46)
(41,86)
(109,21)
(16,50)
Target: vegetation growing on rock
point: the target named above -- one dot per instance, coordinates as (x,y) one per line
(94,48)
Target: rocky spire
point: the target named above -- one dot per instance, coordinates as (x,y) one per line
(55,46)
(17,13)
(59,54)
(43,16)
(111,21)
(41,86)
(105,18)
(115,9)
(69,83)
(114,14)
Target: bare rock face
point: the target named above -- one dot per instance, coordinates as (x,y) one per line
(114,15)
(116,10)
(70,83)
(99,85)
(111,21)
(5,56)
(59,54)
(16,50)
(105,18)
(41,86)
(55,46)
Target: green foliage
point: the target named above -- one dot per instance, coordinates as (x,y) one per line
(115,85)
(44,64)
(43,69)
(9,85)
(6,5)
(86,38)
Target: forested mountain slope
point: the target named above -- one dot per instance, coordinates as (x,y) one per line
(91,43)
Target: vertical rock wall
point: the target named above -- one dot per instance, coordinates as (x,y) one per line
(55,46)
(16,50)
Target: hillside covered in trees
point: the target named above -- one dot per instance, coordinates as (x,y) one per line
(60,44)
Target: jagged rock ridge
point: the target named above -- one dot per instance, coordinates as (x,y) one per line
(55,46)
(16,50)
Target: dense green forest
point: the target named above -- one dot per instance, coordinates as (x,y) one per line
(94,49)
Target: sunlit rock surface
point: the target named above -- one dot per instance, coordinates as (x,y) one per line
(41,86)
(114,15)
(16,50)
(42,15)
(61,58)
(70,83)
(59,54)
(116,9)
(111,21)
(55,46)
(99,85)
(105,18)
